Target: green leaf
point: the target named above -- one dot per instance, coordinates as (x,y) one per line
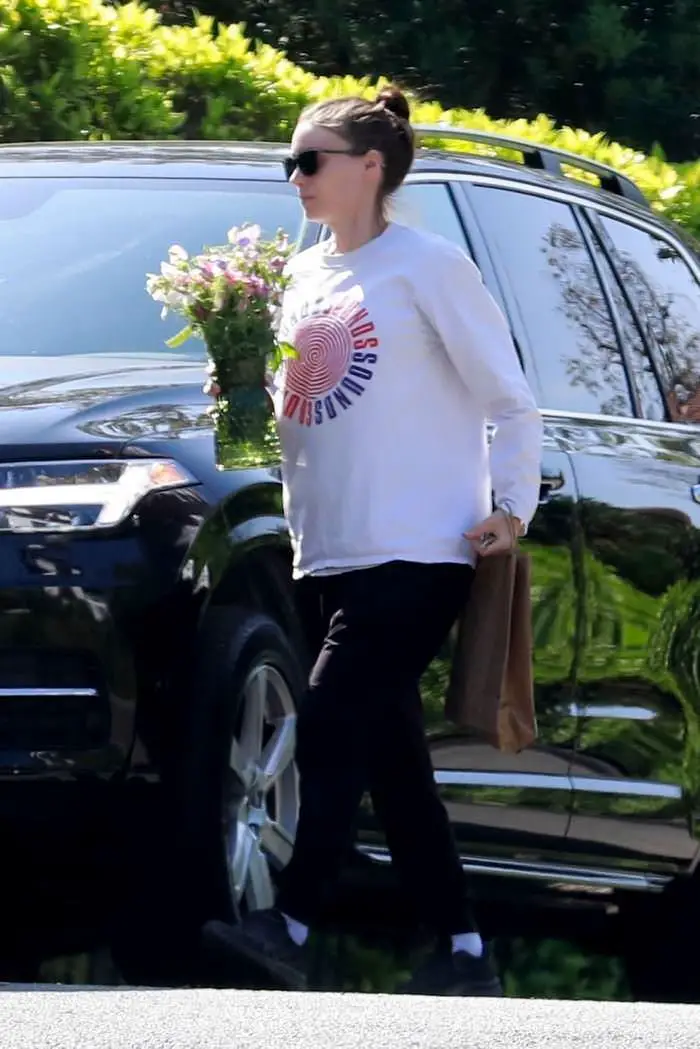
(181,337)
(287,350)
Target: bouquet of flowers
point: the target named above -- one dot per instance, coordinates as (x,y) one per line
(230,296)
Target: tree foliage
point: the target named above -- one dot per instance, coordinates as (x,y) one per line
(630,69)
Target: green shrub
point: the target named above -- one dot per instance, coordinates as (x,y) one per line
(76,69)
(67,76)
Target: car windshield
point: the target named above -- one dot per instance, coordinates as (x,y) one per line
(74,254)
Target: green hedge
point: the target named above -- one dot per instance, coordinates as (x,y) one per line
(82,69)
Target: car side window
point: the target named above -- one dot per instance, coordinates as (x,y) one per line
(429,206)
(651,398)
(666,295)
(540,249)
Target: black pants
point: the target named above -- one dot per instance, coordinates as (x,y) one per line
(360,726)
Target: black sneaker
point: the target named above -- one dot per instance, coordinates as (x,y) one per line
(458,973)
(262,938)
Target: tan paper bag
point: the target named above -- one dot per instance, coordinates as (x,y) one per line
(491,689)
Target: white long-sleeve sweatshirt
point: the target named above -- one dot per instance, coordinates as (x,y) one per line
(403,358)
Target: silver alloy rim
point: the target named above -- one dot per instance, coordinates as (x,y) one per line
(261,803)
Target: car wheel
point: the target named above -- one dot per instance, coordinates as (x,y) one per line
(240,782)
(229,823)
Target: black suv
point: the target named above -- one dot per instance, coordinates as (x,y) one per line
(148,634)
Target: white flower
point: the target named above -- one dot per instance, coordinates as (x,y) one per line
(172,272)
(153,284)
(242,236)
(177,254)
(177,299)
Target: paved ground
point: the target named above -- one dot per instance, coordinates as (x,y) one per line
(142,1019)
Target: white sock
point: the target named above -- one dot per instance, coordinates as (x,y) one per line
(296,930)
(470,942)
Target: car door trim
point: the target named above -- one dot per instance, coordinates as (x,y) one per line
(481,778)
(559,876)
(682,429)
(624,787)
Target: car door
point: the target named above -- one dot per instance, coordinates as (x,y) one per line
(498,802)
(637,766)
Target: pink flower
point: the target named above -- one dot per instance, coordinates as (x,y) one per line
(257,286)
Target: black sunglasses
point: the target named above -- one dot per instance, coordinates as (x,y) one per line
(308,161)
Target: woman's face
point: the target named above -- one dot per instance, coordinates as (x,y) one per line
(343,185)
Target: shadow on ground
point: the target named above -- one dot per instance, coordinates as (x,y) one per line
(530,968)
(68,917)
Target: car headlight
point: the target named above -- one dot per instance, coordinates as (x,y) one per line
(80,496)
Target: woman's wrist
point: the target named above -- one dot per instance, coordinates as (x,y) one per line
(517,524)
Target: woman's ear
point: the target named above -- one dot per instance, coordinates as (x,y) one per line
(374,159)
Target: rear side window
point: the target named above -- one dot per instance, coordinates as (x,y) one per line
(541,252)
(644,376)
(429,206)
(667,297)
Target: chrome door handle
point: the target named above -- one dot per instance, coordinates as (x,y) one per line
(550,482)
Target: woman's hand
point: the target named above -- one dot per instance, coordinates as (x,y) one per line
(496,535)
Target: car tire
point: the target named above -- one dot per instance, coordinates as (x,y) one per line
(232,812)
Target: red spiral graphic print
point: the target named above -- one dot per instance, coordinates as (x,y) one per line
(324,344)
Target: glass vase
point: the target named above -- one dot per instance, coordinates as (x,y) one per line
(245,428)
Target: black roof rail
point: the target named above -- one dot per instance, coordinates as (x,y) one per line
(544,158)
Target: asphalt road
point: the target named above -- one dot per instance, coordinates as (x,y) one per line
(144,1019)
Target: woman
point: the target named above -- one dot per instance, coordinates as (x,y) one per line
(388,483)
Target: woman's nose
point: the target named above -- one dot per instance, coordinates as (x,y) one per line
(296,178)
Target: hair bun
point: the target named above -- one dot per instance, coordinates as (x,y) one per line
(395,101)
